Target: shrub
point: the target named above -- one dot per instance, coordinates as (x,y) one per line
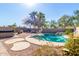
(73,46)
(44,51)
(68,31)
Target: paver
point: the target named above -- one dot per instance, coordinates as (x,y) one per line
(20,46)
(3,51)
(13,40)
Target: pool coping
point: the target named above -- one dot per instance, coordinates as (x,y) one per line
(41,42)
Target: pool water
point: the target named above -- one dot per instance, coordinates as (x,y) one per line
(50,37)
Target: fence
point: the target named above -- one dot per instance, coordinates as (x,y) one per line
(6,32)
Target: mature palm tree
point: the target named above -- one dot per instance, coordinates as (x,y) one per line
(46,24)
(36,19)
(53,24)
(33,18)
(63,21)
(40,20)
(28,21)
(76,12)
(74,20)
(76,15)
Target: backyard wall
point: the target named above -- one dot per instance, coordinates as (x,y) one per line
(53,30)
(6,32)
(6,35)
(32,30)
(43,31)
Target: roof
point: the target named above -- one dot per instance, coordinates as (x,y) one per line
(5,29)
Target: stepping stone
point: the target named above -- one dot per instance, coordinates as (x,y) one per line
(20,46)
(10,41)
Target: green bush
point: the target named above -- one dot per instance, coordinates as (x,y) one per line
(73,46)
(68,31)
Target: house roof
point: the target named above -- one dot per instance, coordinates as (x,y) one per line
(5,29)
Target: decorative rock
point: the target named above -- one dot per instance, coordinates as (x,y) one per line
(20,46)
(13,40)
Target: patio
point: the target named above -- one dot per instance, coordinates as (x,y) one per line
(16,46)
(19,46)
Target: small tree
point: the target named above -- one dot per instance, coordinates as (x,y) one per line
(73,46)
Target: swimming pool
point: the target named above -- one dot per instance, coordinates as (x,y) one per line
(50,37)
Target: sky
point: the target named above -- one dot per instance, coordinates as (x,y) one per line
(11,13)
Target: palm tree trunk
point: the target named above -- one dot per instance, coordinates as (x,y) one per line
(40,29)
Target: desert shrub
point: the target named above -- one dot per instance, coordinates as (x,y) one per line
(68,31)
(44,51)
(73,46)
(48,51)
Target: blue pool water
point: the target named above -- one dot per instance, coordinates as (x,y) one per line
(50,37)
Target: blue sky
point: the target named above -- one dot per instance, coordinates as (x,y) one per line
(14,13)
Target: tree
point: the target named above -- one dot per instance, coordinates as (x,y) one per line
(72,45)
(46,24)
(53,24)
(63,21)
(36,19)
(40,20)
(74,20)
(33,18)
(76,12)
(28,21)
(76,15)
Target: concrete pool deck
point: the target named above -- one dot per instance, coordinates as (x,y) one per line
(17,46)
(7,43)
(41,42)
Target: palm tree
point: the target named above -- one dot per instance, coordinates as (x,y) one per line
(40,20)
(28,21)
(76,12)
(76,15)
(33,18)
(63,21)
(46,24)
(74,20)
(36,20)
(53,24)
